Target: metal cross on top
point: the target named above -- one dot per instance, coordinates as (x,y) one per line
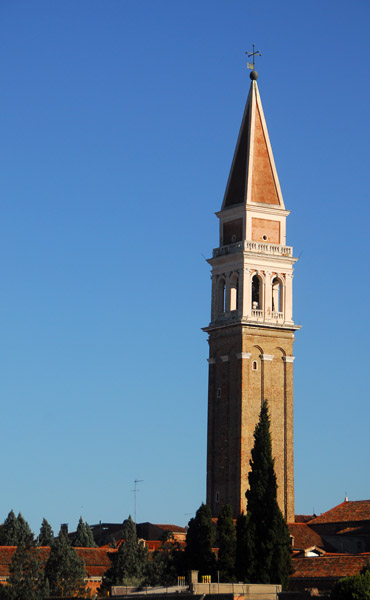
(253,54)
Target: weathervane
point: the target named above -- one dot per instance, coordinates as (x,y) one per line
(253,54)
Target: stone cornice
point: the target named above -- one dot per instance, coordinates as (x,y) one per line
(245,355)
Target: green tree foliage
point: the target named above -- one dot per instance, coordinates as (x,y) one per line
(166,563)
(9,530)
(89,536)
(129,563)
(25,535)
(46,535)
(356,587)
(26,579)
(64,570)
(84,537)
(241,546)
(227,544)
(267,542)
(15,531)
(200,540)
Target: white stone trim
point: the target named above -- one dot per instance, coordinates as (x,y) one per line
(288,359)
(243,355)
(225,358)
(211,361)
(267,356)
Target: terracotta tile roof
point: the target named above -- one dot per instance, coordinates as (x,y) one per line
(175,528)
(349,511)
(6,555)
(96,559)
(351,530)
(153,545)
(304,536)
(330,565)
(303,518)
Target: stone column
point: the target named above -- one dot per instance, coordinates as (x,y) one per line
(288,308)
(227,292)
(268,295)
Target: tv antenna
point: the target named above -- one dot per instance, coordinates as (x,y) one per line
(135,490)
(253,55)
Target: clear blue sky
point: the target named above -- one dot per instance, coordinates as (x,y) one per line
(118,123)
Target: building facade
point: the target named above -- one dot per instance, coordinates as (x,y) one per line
(251,332)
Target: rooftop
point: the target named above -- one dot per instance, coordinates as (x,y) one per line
(346,512)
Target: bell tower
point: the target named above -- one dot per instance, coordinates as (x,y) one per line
(251,332)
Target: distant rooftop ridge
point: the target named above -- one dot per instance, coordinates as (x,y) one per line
(347,511)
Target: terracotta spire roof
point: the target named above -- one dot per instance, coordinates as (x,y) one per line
(253,177)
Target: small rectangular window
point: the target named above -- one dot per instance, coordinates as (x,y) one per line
(219,392)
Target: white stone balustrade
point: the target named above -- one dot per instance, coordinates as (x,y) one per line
(259,247)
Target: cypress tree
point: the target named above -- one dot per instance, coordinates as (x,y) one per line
(84,537)
(200,540)
(15,531)
(64,570)
(46,535)
(26,579)
(227,544)
(24,533)
(90,536)
(9,530)
(129,563)
(165,565)
(267,543)
(241,560)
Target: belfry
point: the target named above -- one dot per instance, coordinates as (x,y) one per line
(251,332)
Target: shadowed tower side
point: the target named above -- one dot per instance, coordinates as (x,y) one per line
(251,332)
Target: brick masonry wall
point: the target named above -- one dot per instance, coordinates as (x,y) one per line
(233,416)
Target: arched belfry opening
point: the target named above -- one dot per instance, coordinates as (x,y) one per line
(257,295)
(221,296)
(234,292)
(277,297)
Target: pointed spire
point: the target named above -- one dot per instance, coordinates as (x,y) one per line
(253,178)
